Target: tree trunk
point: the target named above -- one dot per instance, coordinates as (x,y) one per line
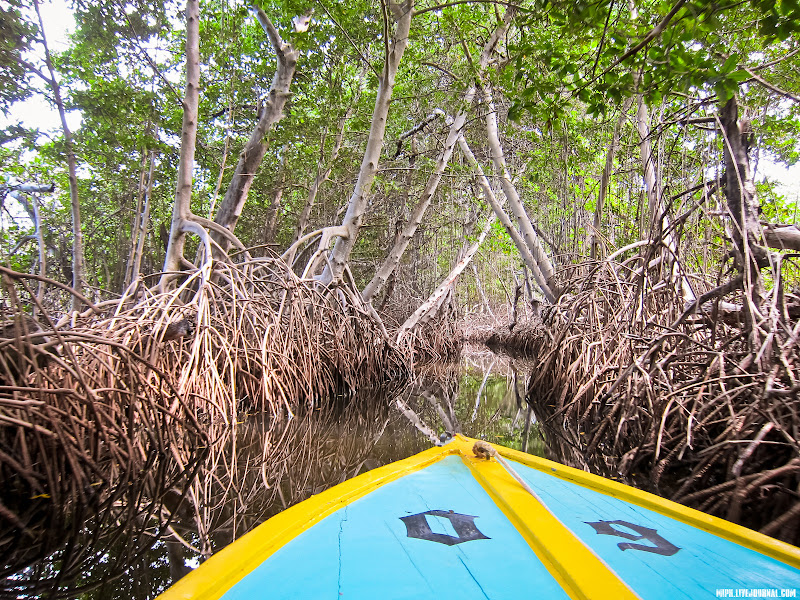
(456,129)
(183,220)
(271,223)
(651,183)
(740,189)
(369,165)
(136,215)
(78,266)
(42,253)
(401,243)
(746,231)
(481,292)
(323,174)
(181,211)
(435,299)
(515,236)
(253,153)
(605,178)
(532,241)
(141,224)
(658,212)
(137,258)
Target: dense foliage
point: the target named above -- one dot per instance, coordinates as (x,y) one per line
(562,75)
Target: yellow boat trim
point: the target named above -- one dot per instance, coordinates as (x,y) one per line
(581,574)
(738,534)
(228,566)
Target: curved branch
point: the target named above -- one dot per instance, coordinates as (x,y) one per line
(22,241)
(17,275)
(252,155)
(653,34)
(422,11)
(327,234)
(364,59)
(769,86)
(217,228)
(188,226)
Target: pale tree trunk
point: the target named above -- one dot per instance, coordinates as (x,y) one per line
(532,241)
(658,214)
(78,266)
(369,165)
(651,182)
(402,240)
(42,252)
(480,290)
(148,199)
(439,295)
(456,129)
(323,174)
(135,220)
(252,155)
(524,251)
(271,223)
(141,223)
(32,208)
(181,211)
(183,221)
(605,179)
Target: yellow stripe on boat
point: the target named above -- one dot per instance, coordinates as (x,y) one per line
(731,531)
(582,574)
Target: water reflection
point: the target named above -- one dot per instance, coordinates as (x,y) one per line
(261,466)
(481,397)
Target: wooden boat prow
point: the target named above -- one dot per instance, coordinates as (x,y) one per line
(447,524)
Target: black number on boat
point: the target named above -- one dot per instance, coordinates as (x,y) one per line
(464,525)
(661,546)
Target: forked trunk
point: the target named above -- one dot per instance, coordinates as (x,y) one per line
(369,165)
(230,209)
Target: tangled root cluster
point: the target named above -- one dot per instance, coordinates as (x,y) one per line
(104,415)
(438,339)
(257,338)
(92,440)
(630,383)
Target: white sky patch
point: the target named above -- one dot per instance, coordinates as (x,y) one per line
(788,178)
(37,111)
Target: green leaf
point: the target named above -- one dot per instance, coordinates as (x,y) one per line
(739,76)
(730,64)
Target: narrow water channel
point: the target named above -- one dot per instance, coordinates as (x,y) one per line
(259,467)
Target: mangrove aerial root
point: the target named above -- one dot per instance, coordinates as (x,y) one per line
(106,416)
(688,403)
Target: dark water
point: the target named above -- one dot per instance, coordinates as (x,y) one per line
(259,467)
